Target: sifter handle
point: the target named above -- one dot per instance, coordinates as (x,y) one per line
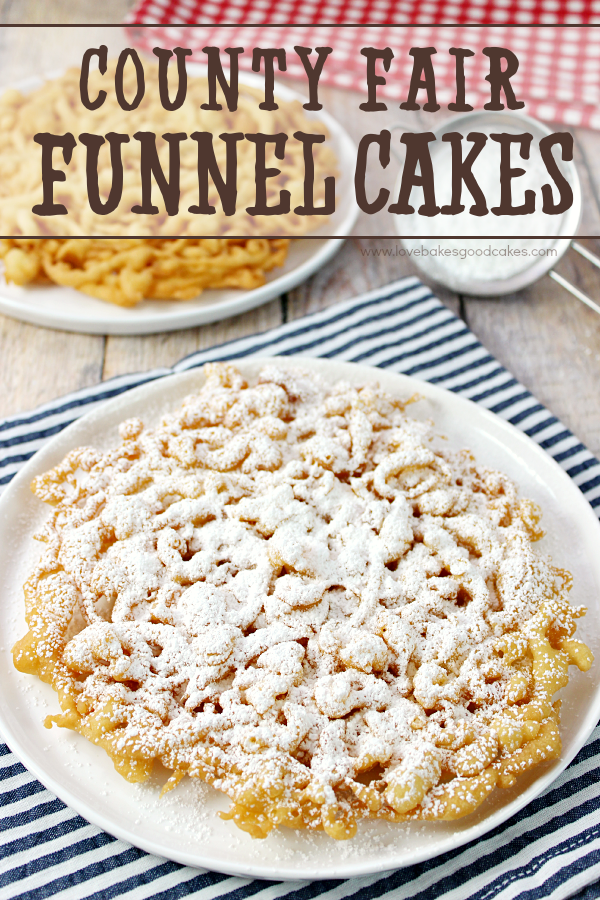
(575,291)
(583,251)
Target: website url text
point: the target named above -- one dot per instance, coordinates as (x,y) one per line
(461,252)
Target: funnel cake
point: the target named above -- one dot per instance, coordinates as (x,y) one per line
(297,593)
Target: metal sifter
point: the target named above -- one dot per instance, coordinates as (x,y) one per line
(464,263)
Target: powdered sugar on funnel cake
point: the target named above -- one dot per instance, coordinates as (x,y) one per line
(294,591)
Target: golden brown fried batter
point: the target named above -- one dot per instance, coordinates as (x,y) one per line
(295,592)
(130,270)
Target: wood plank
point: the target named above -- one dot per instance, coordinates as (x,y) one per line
(551,343)
(343,105)
(39,364)
(67,11)
(587,143)
(36,50)
(136,354)
(549,340)
(359,266)
(365,263)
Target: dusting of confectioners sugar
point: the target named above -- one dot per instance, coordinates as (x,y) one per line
(466,257)
(293,591)
(181,814)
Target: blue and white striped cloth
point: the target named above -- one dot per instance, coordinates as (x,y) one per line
(549,849)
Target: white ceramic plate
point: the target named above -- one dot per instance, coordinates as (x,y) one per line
(70,310)
(184,825)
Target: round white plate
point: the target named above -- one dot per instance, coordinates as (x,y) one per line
(70,310)
(183,825)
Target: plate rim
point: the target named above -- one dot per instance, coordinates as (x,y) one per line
(346,869)
(188,317)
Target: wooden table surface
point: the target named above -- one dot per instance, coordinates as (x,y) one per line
(545,337)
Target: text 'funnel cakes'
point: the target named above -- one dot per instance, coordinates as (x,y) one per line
(299,594)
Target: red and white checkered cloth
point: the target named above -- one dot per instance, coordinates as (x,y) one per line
(559,64)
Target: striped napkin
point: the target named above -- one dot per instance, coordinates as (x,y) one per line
(549,849)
